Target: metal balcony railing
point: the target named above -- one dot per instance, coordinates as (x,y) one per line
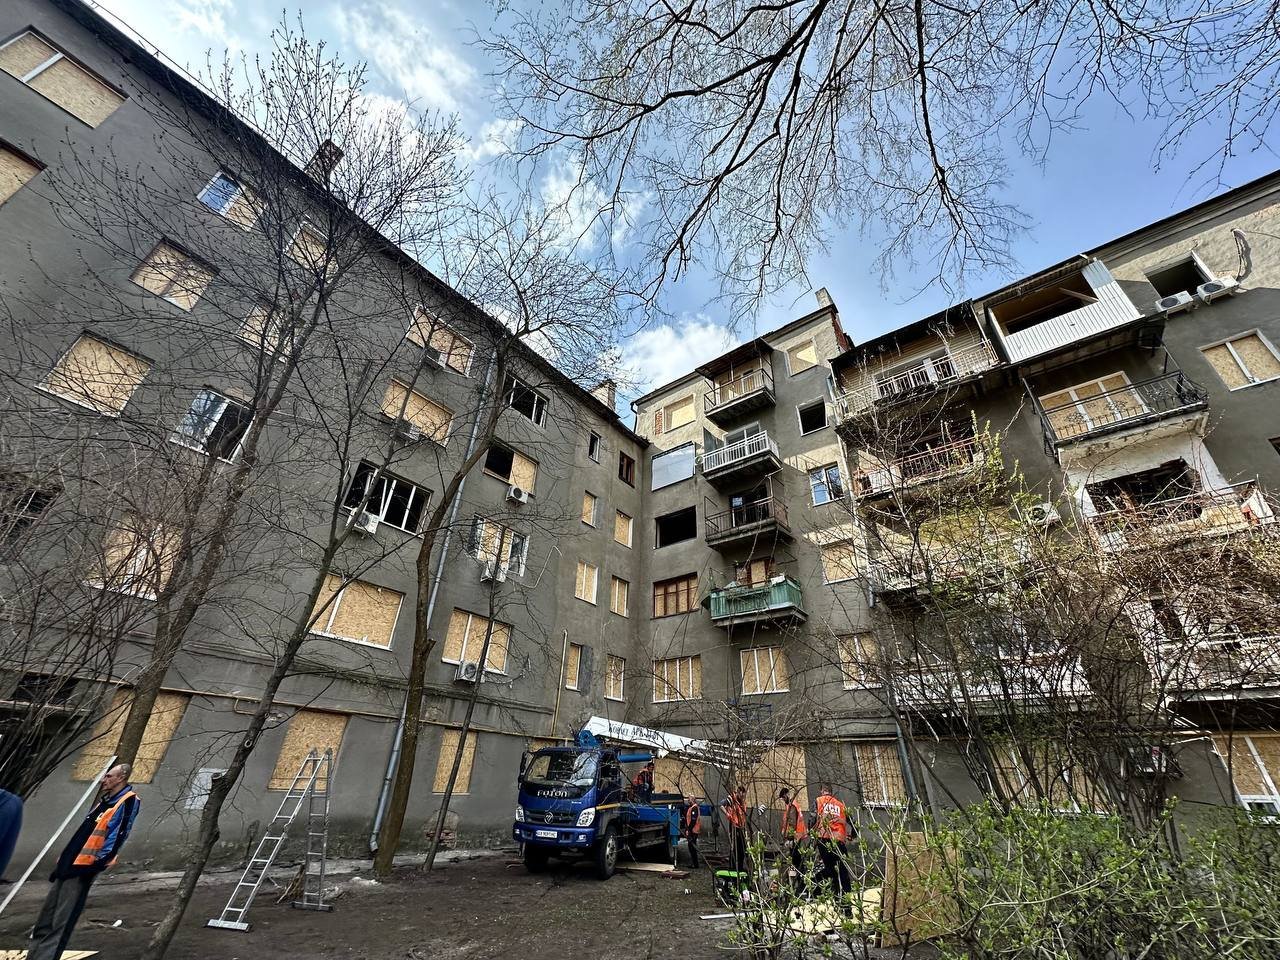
(747,515)
(780,595)
(1204,513)
(929,374)
(1147,401)
(947,686)
(737,452)
(751,381)
(935,463)
(1228,660)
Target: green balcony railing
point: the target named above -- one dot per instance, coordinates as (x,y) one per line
(781,596)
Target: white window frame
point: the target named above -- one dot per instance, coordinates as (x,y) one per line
(682,663)
(595,509)
(882,800)
(595,583)
(1079,403)
(240,191)
(577,679)
(516,563)
(679,401)
(1191,257)
(622,678)
(594,439)
(837,543)
(1252,801)
(57,55)
(364,641)
(813,486)
(1244,369)
(614,579)
(380,510)
(308,227)
(631,529)
(786,351)
(854,642)
(826,415)
(466,639)
(212,424)
(540,420)
(773,654)
(172,281)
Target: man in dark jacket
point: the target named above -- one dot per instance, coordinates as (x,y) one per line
(92,849)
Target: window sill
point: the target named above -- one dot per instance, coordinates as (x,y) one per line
(809,433)
(78,403)
(615,699)
(681,700)
(585,600)
(668,616)
(765,693)
(841,580)
(1256,383)
(123,590)
(358,641)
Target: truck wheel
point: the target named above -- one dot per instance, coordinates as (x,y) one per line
(607,853)
(535,859)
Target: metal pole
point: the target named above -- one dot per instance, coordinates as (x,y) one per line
(13,891)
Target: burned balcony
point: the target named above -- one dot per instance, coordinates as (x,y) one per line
(1222,664)
(760,520)
(1114,408)
(778,602)
(946,369)
(739,394)
(1158,523)
(1039,678)
(946,459)
(753,455)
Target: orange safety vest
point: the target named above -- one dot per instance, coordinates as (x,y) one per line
(736,813)
(831,823)
(643,779)
(88,854)
(693,819)
(800,828)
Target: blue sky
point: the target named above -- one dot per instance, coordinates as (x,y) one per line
(1098,182)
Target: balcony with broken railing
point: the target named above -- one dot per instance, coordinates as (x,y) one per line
(980,563)
(1242,508)
(778,602)
(948,459)
(754,455)
(1023,680)
(761,521)
(745,392)
(1147,408)
(929,375)
(1222,664)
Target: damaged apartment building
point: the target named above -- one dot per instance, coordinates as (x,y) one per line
(714,568)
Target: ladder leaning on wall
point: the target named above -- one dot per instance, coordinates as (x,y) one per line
(310,785)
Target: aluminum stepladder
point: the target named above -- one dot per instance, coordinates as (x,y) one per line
(311,783)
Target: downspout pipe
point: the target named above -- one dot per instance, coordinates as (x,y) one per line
(393,761)
(564,655)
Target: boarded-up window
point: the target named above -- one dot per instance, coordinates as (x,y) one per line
(1254,762)
(465,640)
(162,724)
(1091,406)
(454,349)
(615,678)
(622,529)
(15,171)
(310,249)
(573,667)
(96,375)
(619,596)
(879,774)
(226,195)
(1240,361)
(1043,771)
(138,556)
(305,731)
(265,329)
(402,403)
(764,670)
(584,587)
(35,62)
(679,678)
(173,274)
(361,612)
(589,502)
(675,415)
(859,661)
(678,775)
(449,741)
(524,472)
(839,562)
(492,542)
(677,595)
(780,766)
(802,356)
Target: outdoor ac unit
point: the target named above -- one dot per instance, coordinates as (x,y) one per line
(493,571)
(517,495)
(431,357)
(366,523)
(1217,287)
(469,672)
(1043,514)
(1176,303)
(407,431)
(1150,760)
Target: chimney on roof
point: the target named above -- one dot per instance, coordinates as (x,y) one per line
(327,157)
(824,298)
(606,391)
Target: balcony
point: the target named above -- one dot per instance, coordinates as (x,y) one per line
(1027,680)
(1218,665)
(1241,508)
(762,520)
(931,374)
(778,602)
(1151,408)
(936,463)
(751,390)
(751,456)
(908,572)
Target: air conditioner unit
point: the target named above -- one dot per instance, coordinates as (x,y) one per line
(1176,303)
(432,358)
(1217,287)
(469,672)
(1151,760)
(492,571)
(517,495)
(1042,514)
(366,523)
(408,431)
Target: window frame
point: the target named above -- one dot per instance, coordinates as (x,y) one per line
(466,639)
(306,226)
(540,420)
(595,509)
(594,440)
(813,341)
(853,643)
(631,529)
(44,387)
(315,631)
(614,581)
(682,585)
(877,753)
(775,655)
(16,499)
(1191,257)
(241,192)
(665,410)
(576,685)
(6,145)
(433,322)
(808,405)
(583,566)
(60,54)
(657,544)
(825,481)
(1239,361)
(621,675)
(172,282)
(626,468)
(199,447)
(853,545)
(517,560)
(659,681)
(417,491)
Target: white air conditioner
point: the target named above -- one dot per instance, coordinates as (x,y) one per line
(1042,514)
(492,571)
(1217,287)
(366,523)
(469,672)
(431,357)
(1176,303)
(408,431)
(517,495)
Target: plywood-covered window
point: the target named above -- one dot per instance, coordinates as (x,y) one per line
(310,249)
(50,72)
(839,561)
(674,415)
(677,678)
(619,596)
(1043,770)
(590,503)
(615,678)
(1090,406)
(493,542)
(360,612)
(16,171)
(782,765)
(1243,360)
(465,640)
(802,356)
(401,402)
(161,729)
(305,731)
(96,375)
(573,667)
(450,743)
(138,556)
(265,329)
(672,774)
(859,661)
(1253,760)
(173,274)
(511,466)
(675,596)
(879,773)
(623,528)
(764,670)
(454,350)
(584,586)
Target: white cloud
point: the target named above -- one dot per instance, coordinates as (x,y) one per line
(660,354)
(191,28)
(581,212)
(405,53)
(495,139)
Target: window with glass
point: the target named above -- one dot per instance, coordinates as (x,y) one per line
(826,484)
(394,501)
(228,197)
(594,442)
(214,425)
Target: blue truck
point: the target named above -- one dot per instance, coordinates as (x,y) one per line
(575,802)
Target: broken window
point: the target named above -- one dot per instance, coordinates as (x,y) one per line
(44,689)
(619,595)
(879,774)
(137,557)
(622,525)
(675,596)
(214,425)
(584,587)
(679,678)
(450,743)
(162,724)
(1052,300)
(859,665)
(465,639)
(432,419)
(392,500)
(511,466)
(677,527)
(444,343)
(307,730)
(228,197)
(594,441)
(1173,483)
(674,415)
(1182,277)
(764,670)
(525,400)
(1254,763)
(839,561)
(754,573)
(16,171)
(356,611)
(826,484)
(626,469)
(573,667)
(614,677)
(813,416)
(802,357)
(22,504)
(590,504)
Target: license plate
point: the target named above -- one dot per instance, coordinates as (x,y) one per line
(545,834)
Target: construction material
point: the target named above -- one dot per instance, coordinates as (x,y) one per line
(648,867)
(310,784)
(914,908)
(66,954)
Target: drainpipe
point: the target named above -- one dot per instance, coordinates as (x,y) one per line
(564,655)
(394,759)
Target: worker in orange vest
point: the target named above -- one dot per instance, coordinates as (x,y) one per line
(795,831)
(643,782)
(832,832)
(92,849)
(735,811)
(692,822)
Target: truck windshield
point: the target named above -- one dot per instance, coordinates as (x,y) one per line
(562,769)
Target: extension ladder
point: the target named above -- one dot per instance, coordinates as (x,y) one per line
(311,783)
